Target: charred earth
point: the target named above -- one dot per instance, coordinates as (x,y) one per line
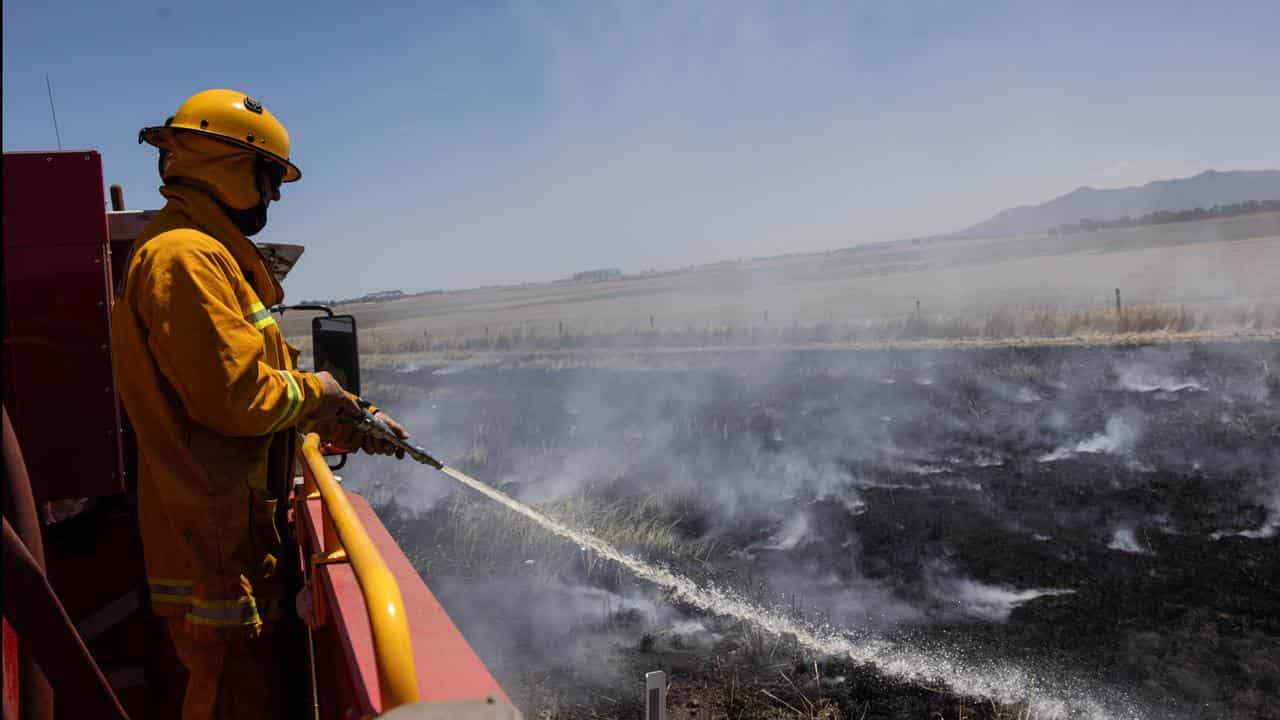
(1036,532)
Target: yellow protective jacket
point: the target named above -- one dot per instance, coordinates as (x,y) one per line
(207,380)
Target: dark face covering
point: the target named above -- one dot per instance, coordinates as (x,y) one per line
(251,221)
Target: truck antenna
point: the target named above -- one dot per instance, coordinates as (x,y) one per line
(54,112)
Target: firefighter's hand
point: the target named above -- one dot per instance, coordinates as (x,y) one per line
(336,400)
(374,446)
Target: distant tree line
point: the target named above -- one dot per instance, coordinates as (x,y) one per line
(592,276)
(379,296)
(1164,217)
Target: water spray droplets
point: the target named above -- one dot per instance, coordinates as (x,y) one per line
(1000,682)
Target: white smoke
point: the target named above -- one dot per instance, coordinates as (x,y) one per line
(1144,380)
(759,457)
(462,366)
(1119,438)
(1124,540)
(983,601)
(995,602)
(791,535)
(1270,526)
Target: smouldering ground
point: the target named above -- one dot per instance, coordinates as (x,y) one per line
(1098,524)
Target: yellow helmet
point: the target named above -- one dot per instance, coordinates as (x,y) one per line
(232,117)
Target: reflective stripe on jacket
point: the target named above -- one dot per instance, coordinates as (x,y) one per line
(207,380)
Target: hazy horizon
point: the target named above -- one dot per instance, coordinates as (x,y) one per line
(762,258)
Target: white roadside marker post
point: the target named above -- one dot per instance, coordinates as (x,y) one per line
(655,695)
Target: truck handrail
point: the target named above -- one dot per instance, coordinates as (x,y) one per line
(346,540)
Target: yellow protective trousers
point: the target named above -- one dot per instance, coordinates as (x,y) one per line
(229,677)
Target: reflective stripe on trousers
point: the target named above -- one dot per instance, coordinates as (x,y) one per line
(227,613)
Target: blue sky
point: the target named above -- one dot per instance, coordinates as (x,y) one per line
(449,145)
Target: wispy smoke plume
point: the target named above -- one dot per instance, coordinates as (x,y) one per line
(842,487)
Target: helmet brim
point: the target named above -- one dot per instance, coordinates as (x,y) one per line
(161,136)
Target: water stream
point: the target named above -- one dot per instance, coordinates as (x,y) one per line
(1044,698)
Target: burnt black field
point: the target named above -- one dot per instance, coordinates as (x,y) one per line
(1105,520)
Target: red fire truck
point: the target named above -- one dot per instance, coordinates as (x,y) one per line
(79,636)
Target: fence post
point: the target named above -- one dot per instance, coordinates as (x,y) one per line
(1117,301)
(655,695)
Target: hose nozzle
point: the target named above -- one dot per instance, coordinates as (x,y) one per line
(370,425)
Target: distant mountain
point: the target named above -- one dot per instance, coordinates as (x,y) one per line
(1205,190)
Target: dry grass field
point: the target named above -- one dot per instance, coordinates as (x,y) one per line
(1216,274)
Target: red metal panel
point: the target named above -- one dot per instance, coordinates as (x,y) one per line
(124,227)
(95,565)
(11,692)
(57,289)
(119,252)
(448,668)
(342,685)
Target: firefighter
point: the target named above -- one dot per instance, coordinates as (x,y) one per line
(213,391)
